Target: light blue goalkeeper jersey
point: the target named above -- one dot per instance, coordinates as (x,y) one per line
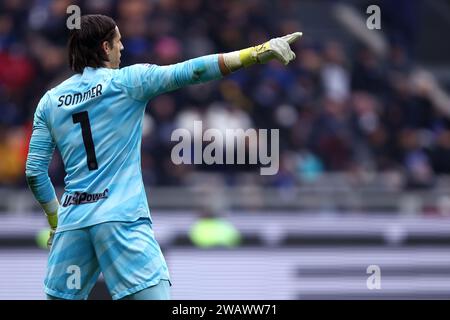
(95,120)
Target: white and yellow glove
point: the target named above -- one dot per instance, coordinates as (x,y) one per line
(277,48)
(51,212)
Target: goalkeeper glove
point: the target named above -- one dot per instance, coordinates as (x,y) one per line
(51,212)
(277,48)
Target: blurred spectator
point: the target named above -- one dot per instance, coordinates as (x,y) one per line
(440,154)
(213,231)
(335,77)
(13,145)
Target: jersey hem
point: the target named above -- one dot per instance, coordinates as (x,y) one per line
(141,214)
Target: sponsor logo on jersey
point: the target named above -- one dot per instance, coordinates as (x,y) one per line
(83,197)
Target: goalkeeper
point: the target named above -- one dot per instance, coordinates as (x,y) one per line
(94,118)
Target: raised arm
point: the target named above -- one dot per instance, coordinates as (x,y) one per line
(144,82)
(214,66)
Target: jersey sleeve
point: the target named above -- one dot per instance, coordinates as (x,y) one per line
(40,153)
(145,81)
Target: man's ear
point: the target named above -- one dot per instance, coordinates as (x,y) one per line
(105,46)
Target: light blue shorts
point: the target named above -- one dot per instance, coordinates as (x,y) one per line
(125,252)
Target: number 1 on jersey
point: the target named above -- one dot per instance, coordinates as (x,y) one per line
(83,119)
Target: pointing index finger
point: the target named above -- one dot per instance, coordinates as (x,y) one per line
(291,38)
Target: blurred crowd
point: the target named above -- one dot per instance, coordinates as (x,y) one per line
(338,110)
